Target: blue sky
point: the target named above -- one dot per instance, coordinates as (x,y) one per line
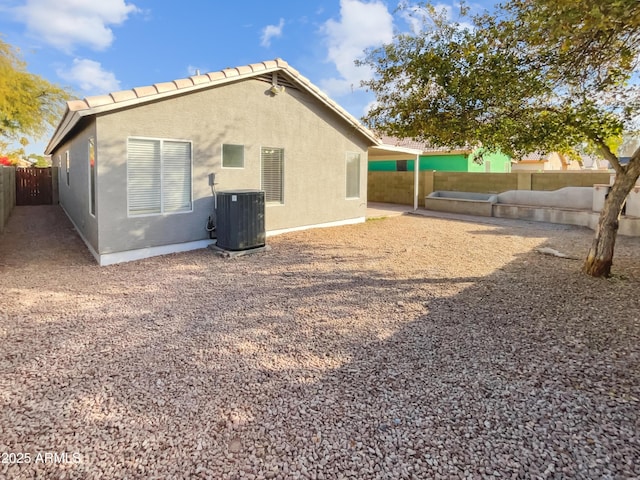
(99,46)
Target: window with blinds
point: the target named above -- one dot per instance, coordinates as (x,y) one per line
(353,175)
(158,176)
(272,160)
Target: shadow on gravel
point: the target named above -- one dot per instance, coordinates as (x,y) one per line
(321,360)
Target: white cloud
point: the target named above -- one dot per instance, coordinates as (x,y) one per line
(361,25)
(193,70)
(67,23)
(90,77)
(271,31)
(417,17)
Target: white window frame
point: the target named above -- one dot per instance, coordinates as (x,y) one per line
(67,166)
(222,155)
(93,176)
(346,172)
(162,212)
(282,177)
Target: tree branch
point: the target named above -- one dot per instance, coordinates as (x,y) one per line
(610,156)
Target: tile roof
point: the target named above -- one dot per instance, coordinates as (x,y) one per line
(534,157)
(418,145)
(76,109)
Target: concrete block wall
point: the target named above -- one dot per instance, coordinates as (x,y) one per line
(7,194)
(393,187)
(397,187)
(474,182)
(557,180)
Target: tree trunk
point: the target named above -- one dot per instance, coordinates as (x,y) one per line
(600,257)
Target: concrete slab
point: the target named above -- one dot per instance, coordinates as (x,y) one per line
(221,252)
(380,210)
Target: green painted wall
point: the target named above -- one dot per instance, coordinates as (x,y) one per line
(498,163)
(447,163)
(382,166)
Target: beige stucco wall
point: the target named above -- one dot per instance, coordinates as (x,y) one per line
(314,139)
(74,198)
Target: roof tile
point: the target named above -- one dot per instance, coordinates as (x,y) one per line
(258,67)
(98,100)
(183,83)
(123,95)
(213,76)
(244,70)
(165,87)
(418,145)
(75,105)
(230,72)
(198,79)
(145,91)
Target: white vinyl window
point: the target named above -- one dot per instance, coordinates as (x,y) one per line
(92,177)
(272,160)
(158,176)
(353,175)
(232,156)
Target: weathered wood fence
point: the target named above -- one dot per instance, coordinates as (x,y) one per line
(34,186)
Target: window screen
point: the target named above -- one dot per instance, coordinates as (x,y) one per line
(273,174)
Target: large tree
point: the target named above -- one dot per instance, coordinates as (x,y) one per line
(534,75)
(28,102)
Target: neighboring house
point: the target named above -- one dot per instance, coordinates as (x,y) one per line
(439,159)
(537,162)
(135,165)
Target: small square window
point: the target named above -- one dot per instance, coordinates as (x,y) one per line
(233,156)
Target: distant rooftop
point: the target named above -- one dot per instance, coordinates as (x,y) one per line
(418,145)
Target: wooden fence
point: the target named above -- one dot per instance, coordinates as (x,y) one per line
(34,186)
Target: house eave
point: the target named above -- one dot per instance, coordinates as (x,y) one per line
(141,95)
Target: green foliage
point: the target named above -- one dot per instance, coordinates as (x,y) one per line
(39,161)
(28,102)
(536,75)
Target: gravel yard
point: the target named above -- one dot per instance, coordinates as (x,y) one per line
(405,347)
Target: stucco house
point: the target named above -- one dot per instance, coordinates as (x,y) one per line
(537,162)
(456,159)
(135,165)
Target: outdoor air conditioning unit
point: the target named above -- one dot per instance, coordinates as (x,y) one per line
(240,220)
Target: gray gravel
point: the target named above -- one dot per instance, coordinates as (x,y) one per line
(408,347)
